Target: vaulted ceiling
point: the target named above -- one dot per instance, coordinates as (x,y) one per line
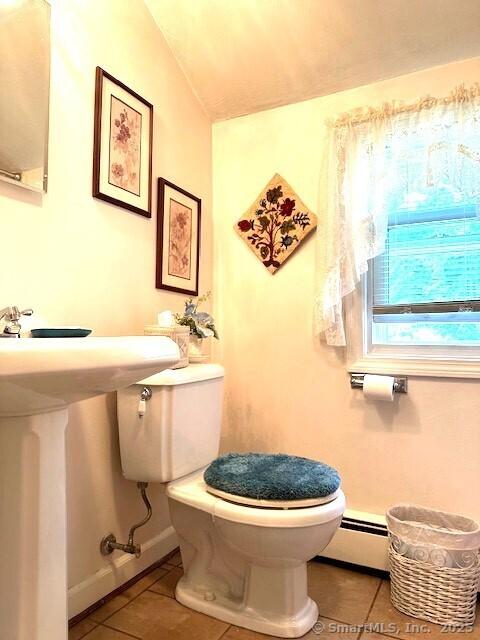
(242,56)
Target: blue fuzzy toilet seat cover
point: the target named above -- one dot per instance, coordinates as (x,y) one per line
(271,476)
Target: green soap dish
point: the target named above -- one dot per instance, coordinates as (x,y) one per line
(61,332)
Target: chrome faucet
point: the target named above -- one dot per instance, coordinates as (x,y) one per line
(12,317)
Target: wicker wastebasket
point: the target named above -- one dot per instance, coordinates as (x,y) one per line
(434,564)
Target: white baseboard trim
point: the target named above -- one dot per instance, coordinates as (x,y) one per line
(361,539)
(122,568)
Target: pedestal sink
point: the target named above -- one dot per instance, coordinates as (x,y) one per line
(39,378)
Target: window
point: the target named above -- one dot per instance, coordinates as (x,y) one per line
(401,193)
(425,287)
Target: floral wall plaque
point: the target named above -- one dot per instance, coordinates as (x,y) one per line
(276,223)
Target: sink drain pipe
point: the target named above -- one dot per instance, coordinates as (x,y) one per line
(109,543)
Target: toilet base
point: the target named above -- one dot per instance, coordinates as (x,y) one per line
(235,611)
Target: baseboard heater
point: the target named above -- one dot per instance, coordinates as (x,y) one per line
(362,539)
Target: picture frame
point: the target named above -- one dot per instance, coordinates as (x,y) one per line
(178,239)
(122,146)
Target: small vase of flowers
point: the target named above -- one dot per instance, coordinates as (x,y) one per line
(201,324)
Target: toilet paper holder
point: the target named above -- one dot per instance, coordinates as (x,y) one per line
(399,384)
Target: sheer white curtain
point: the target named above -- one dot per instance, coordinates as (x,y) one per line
(396,156)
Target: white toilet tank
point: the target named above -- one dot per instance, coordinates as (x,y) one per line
(180,430)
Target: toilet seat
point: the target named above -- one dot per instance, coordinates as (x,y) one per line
(279,479)
(272,504)
(192,490)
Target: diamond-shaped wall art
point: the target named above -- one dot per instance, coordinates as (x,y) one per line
(276,223)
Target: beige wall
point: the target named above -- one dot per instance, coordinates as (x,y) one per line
(285,390)
(79,261)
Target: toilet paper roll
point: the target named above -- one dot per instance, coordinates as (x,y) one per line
(378,387)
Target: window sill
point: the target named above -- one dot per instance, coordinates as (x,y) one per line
(405,360)
(408,366)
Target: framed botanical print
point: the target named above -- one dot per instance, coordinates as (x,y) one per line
(178,239)
(122,148)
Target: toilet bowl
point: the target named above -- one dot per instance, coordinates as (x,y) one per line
(244,559)
(246,565)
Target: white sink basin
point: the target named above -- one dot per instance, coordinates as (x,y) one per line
(39,378)
(43,374)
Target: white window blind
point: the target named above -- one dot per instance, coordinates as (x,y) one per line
(426,285)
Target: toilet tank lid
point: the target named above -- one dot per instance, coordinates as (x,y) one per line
(192,373)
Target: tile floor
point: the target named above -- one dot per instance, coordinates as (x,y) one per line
(352,605)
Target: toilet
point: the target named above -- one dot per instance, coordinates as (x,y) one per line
(244,559)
